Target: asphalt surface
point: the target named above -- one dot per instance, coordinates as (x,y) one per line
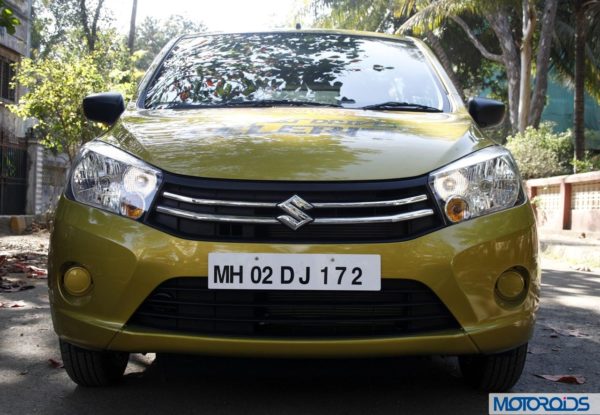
(566,341)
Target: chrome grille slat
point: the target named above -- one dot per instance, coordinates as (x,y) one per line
(400,217)
(213,202)
(235,203)
(206,217)
(294,211)
(383,203)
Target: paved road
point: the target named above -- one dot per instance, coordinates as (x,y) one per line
(28,385)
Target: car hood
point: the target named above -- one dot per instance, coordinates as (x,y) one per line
(316,144)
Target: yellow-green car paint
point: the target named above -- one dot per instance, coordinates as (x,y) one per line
(128,260)
(460,263)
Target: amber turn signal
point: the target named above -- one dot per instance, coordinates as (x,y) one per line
(132,205)
(456,209)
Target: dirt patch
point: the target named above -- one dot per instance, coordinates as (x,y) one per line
(23,259)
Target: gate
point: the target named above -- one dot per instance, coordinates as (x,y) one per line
(13,176)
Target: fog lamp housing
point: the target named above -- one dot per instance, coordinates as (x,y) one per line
(511,286)
(77,281)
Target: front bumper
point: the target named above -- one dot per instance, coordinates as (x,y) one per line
(128,260)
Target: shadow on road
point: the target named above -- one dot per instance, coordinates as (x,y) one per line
(176,384)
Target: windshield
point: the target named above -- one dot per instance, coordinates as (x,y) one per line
(293,68)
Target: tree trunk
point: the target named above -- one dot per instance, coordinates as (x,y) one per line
(435,44)
(500,24)
(538,101)
(131,41)
(90,30)
(526,57)
(579,108)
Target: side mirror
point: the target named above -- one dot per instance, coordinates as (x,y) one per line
(486,112)
(106,107)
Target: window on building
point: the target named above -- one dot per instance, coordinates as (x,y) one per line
(7,73)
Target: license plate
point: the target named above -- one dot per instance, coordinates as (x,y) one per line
(294,272)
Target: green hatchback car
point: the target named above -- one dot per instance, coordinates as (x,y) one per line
(297,194)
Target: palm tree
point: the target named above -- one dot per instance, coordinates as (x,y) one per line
(575,55)
(131,40)
(516,54)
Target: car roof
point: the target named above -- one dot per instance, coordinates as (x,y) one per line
(359,33)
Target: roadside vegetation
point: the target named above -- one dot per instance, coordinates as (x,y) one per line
(542,152)
(77,50)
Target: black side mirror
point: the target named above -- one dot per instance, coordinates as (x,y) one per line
(106,107)
(486,112)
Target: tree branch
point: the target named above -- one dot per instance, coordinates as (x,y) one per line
(529,22)
(95,23)
(482,49)
(83,17)
(538,100)
(381,25)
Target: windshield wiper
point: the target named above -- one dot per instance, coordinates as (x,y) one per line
(261,103)
(401,106)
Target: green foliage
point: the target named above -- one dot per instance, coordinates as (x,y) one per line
(64,70)
(8,19)
(56,88)
(563,51)
(352,14)
(591,162)
(67,24)
(542,152)
(153,34)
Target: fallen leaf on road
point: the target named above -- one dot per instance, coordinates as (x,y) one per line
(14,304)
(31,270)
(56,364)
(571,379)
(37,270)
(14,286)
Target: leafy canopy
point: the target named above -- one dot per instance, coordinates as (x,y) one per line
(153,34)
(56,90)
(8,19)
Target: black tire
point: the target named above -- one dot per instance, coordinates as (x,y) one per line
(92,368)
(494,372)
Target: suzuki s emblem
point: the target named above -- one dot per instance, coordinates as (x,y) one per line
(295,207)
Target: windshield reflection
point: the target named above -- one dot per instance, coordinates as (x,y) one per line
(291,69)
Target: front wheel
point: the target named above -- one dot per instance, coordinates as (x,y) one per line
(494,372)
(93,368)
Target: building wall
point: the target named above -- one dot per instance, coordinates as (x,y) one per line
(20,190)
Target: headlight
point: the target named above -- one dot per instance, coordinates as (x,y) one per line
(110,179)
(484,182)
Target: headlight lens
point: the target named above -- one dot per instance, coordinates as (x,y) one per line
(484,182)
(110,179)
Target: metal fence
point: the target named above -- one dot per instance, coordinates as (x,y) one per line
(13,178)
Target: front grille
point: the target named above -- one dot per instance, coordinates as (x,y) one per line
(345,212)
(186,305)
